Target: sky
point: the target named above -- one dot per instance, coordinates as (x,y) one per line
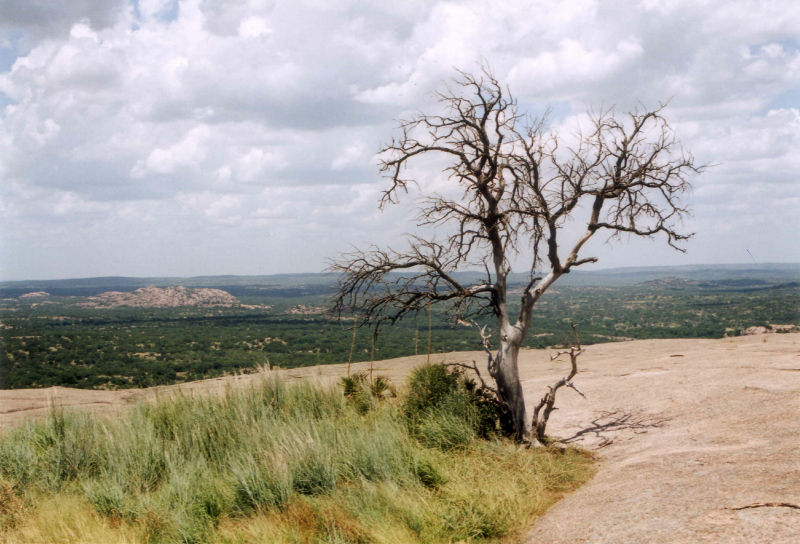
(183,138)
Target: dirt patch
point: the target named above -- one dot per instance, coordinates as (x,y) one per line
(686,432)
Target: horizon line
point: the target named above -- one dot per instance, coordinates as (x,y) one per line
(322,273)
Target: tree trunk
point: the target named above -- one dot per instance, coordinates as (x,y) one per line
(506,375)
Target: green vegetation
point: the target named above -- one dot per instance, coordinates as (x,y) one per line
(57,342)
(278,463)
(445,409)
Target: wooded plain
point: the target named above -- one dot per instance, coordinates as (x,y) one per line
(54,341)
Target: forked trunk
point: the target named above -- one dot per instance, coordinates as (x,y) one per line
(506,376)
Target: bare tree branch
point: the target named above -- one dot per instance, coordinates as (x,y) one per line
(547,403)
(519,184)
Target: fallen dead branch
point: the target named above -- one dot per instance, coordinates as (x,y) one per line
(767,505)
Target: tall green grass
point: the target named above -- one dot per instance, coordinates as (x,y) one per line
(270,463)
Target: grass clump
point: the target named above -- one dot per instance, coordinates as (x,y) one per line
(11,507)
(277,463)
(365,393)
(256,485)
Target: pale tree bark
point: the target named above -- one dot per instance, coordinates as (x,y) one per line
(518,187)
(542,411)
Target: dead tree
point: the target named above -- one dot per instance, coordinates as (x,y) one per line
(541,414)
(513,189)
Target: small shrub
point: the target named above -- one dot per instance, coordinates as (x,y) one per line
(493,416)
(352,384)
(445,409)
(382,388)
(362,393)
(428,386)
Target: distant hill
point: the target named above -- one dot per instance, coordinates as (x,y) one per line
(35,294)
(766,273)
(282,284)
(747,275)
(166,297)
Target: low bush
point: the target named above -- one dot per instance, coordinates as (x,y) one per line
(446,409)
(428,386)
(364,393)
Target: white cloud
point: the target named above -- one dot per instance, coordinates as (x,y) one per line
(353,154)
(40,20)
(155,9)
(572,64)
(253,27)
(189,152)
(251,122)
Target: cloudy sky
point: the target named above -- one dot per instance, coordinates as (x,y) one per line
(192,137)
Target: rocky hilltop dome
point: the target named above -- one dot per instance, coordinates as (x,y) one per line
(35,294)
(166,297)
